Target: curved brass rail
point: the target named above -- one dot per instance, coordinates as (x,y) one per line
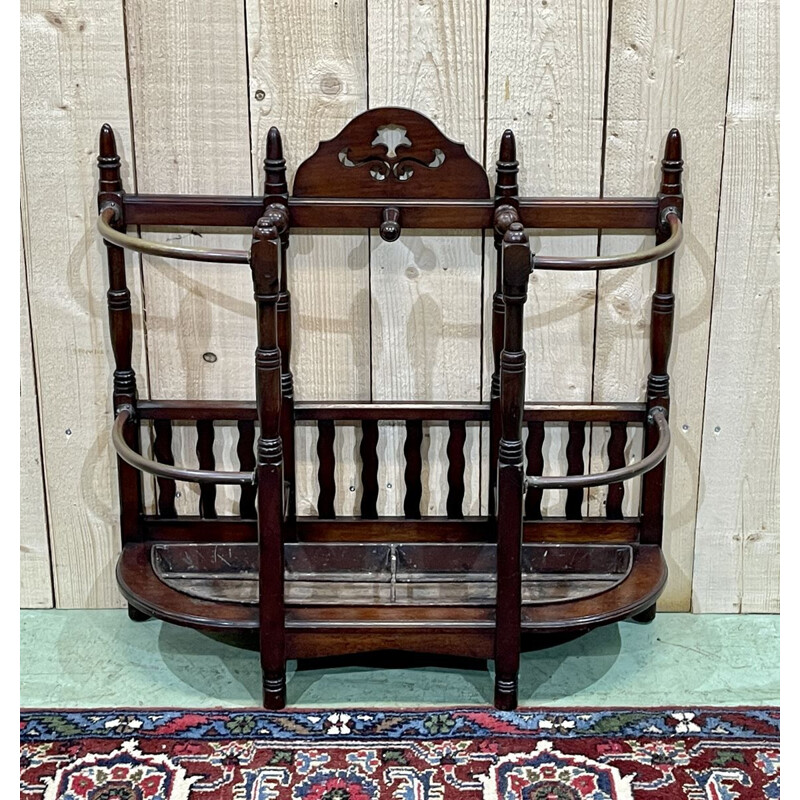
(655,253)
(149,248)
(166,470)
(615,475)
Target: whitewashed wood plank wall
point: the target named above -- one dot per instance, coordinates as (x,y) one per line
(590,88)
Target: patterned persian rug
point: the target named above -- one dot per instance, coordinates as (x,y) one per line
(619,754)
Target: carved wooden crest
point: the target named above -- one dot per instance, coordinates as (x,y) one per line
(391,153)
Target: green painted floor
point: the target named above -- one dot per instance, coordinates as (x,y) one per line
(79,659)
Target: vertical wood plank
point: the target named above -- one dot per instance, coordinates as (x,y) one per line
(246,456)
(668,68)
(426,289)
(162,450)
(736,554)
(72,81)
(188,79)
(618,438)
(326,474)
(35,581)
(546,83)
(308,76)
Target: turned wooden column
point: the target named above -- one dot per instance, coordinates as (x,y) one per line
(129,479)
(670,197)
(516,264)
(266,264)
(506,202)
(276,191)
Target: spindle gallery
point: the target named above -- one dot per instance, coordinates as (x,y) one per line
(476,586)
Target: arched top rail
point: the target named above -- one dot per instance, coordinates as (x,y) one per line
(657,418)
(138,461)
(139,245)
(659,251)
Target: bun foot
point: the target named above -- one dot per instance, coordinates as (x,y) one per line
(646,616)
(136,615)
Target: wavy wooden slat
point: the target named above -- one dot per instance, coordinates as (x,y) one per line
(326,474)
(205,458)
(575,466)
(412,450)
(616,459)
(245,451)
(162,450)
(369,469)
(534,458)
(455,469)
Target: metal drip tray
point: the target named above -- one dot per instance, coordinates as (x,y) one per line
(358,574)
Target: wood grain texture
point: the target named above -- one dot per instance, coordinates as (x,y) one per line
(736,548)
(546,83)
(73,80)
(426,289)
(188,81)
(308,76)
(35,582)
(669,67)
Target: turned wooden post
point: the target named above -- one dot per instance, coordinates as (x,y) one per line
(276,190)
(506,201)
(661,323)
(516,264)
(266,262)
(118,297)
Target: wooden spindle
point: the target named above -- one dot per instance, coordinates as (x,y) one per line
(326,474)
(265,262)
(661,324)
(245,452)
(162,450)
(369,468)
(121,325)
(534,456)
(616,459)
(575,466)
(412,450)
(506,201)
(455,468)
(205,459)
(516,267)
(276,191)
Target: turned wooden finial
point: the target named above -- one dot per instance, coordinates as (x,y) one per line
(672,164)
(275,186)
(108,161)
(507,167)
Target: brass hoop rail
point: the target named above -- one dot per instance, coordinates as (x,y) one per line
(147,247)
(150,248)
(658,418)
(137,460)
(656,253)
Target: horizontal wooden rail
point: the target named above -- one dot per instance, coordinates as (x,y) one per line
(610,213)
(167,470)
(233,410)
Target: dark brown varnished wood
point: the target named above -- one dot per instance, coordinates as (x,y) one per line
(371,175)
(534,458)
(205,460)
(616,459)
(412,451)
(266,259)
(369,469)
(245,452)
(162,450)
(455,469)
(575,466)
(608,213)
(326,474)
(129,480)
(515,264)
(661,323)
